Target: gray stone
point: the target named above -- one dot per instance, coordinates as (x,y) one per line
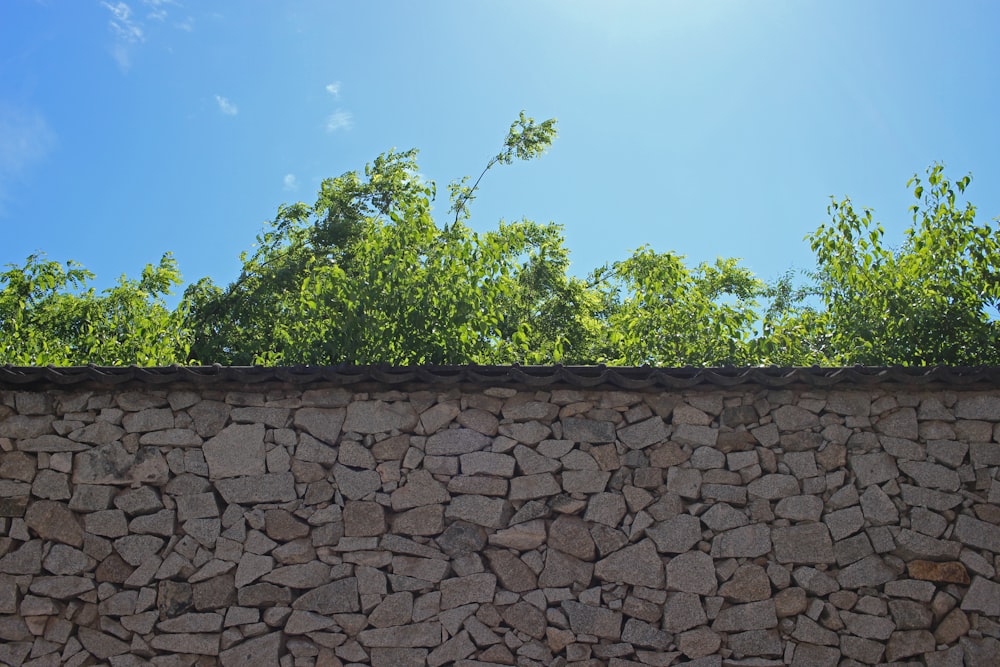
(458,591)
(379,417)
(682,611)
(696,436)
(406,636)
(794,418)
(588,430)
(605,508)
(809,631)
(24,427)
(638,564)
(866,651)
(870,571)
(160,523)
(512,572)
(395,609)
(800,508)
(749,616)
(940,501)
(676,535)
(931,475)
(845,522)
(322,423)
(749,583)
(311,450)
(901,448)
(643,434)
(583,481)
(487,463)
(700,644)
(877,507)
(976,533)
(303,622)
(54,521)
(336,597)
(812,655)
(815,582)
(743,542)
(564,570)
(426,520)
(899,424)
(530,433)
(102,646)
(983,596)
(61,587)
(112,464)
(978,406)
(910,615)
(420,489)
(171,437)
(911,545)
(363,519)
(907,643)
(692,572)
(272,487)
(597,621)
(723,516)
(150,419)
(26,560)
(640,633)
(456,441)
(65,560)
(480,510)
(257,652)
(238,450)
(526,618)
(144,500)
(526,487)
(869,626)
(685,482)
(757,643)
(873,468)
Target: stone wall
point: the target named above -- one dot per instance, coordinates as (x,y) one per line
(294,525)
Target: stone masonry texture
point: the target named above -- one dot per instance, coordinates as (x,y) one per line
(299,525)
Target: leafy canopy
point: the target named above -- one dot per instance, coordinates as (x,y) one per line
(366,275)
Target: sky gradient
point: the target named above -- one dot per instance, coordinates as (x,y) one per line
(128,129)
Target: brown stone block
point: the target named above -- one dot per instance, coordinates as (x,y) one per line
(951,572)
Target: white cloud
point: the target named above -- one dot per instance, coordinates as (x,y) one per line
(291,182)
(122,24)
(339,120)
(127,31)
(225,106)
(25,140)
(333,88)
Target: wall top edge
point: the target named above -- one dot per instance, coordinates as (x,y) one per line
(628,378)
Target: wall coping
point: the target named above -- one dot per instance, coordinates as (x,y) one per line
(622,377)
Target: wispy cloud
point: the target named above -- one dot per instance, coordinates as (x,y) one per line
(291,182)
(333,88)
(157,11)
(127,31)
(339,120)
(225,106)
(25,140)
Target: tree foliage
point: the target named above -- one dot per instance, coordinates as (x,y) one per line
(366,275)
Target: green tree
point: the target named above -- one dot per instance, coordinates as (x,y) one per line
(365,275)
(660,312)
(932,300)
(49,316)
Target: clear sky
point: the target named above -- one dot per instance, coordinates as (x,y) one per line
(132,127)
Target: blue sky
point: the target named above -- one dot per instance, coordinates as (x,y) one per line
(130,128)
